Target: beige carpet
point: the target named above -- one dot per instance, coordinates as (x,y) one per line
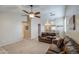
(27,46)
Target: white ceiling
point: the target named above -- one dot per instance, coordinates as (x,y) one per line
(58,10)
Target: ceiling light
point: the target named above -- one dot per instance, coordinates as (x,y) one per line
(31,15)
(47,23)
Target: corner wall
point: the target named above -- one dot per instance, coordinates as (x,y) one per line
(73,10)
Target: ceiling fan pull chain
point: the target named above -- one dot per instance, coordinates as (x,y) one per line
(31,7)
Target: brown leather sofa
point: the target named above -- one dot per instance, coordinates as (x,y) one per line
(46,37)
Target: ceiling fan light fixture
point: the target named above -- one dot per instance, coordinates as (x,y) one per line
(31,15)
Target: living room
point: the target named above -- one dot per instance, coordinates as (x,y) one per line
(20,33)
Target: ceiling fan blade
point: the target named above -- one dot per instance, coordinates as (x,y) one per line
(37,13)
(25,11)
(37,16)
(52,14)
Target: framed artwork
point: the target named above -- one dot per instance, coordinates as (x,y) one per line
(72,23)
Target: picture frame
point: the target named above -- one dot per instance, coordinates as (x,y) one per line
(72,23)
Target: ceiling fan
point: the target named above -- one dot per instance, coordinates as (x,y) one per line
(31,14)
(52,14)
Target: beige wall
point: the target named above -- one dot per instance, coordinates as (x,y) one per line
(71,10)
(26,30)
(10,27)
(34,27)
